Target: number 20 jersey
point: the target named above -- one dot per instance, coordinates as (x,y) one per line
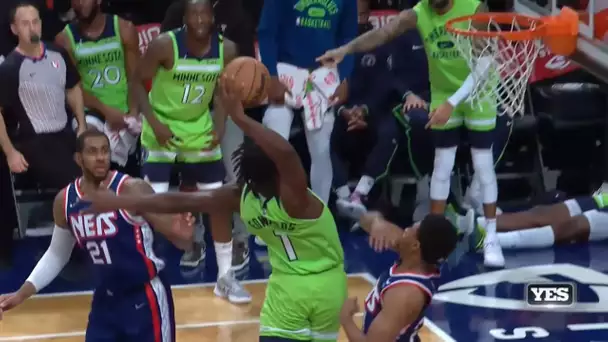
(119,244)
(391,279)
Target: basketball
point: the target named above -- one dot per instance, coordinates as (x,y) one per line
(252,79)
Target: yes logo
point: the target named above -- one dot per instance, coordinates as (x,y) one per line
(550,294)
(462,291)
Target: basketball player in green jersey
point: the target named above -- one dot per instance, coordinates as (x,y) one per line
(184,66)
(106,50)
(307,286)
(451,84)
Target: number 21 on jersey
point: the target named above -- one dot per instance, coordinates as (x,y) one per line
(100,254)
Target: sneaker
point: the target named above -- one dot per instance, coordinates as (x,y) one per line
(195,256)
(351,207)
(240,255)
(228,287)
(492,252)
(258,241)
(601,190)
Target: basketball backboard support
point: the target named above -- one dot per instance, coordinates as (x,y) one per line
(592,53)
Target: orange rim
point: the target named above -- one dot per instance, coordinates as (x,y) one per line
(558,32)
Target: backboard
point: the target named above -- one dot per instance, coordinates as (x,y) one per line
(592,46)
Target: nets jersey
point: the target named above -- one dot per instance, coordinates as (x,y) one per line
(391,279)
(119,245)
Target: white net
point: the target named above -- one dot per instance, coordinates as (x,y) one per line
(507,64)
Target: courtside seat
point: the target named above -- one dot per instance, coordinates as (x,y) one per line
(34,205)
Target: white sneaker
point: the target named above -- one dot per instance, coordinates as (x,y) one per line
(228,287)
(195,256)
(492,252)
(351,207)
(258,241)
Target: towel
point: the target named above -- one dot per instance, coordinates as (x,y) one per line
(124,142)
(309,91)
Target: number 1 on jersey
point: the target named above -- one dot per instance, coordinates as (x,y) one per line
(287,245)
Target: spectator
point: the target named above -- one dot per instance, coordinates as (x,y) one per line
(376,84)
(36,79)
(295,33)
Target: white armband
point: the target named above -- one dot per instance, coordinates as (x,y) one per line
(54,259)
(480,71)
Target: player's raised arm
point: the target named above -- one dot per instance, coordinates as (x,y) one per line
(401,307)
(52,261)
(383,234)
(293,182)
(406,20)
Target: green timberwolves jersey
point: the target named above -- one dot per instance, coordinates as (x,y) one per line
(447,68)
(101,63)
(185,92)
(295,246)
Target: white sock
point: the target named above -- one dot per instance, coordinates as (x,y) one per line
(528,238)
(365,185)
(223,254)
(343,192)
(490,226)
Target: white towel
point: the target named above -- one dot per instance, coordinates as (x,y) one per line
(324,82)
(124,142)
(295,79)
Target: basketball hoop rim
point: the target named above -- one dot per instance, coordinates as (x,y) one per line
(559,32)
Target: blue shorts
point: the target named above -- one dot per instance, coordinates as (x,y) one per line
(145,314)
(191,173)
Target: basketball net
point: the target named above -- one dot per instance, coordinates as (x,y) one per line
(503,83)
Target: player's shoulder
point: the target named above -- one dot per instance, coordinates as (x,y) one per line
(62,195)
(11,63)
(130,184)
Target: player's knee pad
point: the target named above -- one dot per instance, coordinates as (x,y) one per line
(442,170)
(598,224)
(444,163)
(279,119)
(483,163)
(319,141)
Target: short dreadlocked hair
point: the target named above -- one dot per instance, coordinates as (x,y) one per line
(252,166)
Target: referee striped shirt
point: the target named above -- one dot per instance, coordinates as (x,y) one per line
(33,90)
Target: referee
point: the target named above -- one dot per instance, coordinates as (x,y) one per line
(35,80)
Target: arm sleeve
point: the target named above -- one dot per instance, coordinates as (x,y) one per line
(268,34)
(480,71)
(54,259)
(9,83)
(72,77)
(347,32)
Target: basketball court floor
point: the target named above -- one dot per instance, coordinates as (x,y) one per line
(472,303)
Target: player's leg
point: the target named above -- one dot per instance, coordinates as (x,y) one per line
(329,291)
(148,315)
(318,141)
(473,196)
(377,162)
(279,119)
(233,137)
(575,220)
(480,126)
(446,140)
(101,327)
(286,310)
(209,175)
(341,143)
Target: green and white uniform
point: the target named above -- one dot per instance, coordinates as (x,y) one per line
(307,286)
(180,98)
(101,63)
(447,68)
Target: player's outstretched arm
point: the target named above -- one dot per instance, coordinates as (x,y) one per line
(293,182)
(225,198)
(406,20)
(401,307)
(52,261)
(383,234)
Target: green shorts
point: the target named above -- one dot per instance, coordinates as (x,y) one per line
(191,144)
(305,308)
(473,118)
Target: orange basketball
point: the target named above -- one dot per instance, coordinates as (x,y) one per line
(252,79)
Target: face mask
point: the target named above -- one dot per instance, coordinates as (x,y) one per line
(438,4)
(34,38)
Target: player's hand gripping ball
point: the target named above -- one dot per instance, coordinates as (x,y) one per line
(251,79)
